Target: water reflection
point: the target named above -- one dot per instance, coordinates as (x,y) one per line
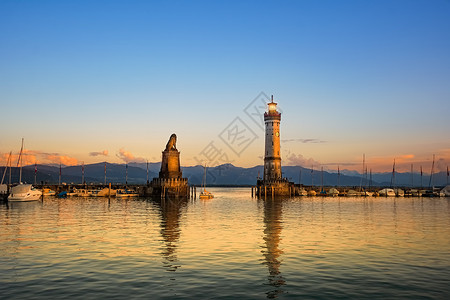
(171,211)
(272,237)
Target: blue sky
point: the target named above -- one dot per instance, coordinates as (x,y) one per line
(359,76)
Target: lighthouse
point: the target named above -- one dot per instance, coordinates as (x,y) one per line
(272,157)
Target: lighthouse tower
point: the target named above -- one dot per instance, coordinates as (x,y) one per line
(272,157)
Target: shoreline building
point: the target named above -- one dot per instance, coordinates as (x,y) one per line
(170,183)
(272,182)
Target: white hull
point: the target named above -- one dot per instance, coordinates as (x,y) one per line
(302,192)
(23,193)
(82,192)
(126,193)
(387,193)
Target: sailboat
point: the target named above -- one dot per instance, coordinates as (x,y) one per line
(204,194)
(23,192)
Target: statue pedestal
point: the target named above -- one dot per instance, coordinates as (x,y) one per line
(170,165)
(170,183)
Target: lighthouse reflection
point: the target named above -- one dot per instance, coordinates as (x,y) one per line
(272,237)
(171,211)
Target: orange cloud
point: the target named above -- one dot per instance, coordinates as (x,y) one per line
(33,156)
(62,159)
(128,157)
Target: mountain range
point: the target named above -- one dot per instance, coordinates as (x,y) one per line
(226,174)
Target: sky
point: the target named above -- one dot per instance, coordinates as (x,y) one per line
(94,81)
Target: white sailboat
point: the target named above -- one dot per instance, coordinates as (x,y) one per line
(23,192)
(204,194)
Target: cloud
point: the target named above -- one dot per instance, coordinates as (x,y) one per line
(293,159)
(35,156)
(304,141)
(104,153)
(128,157)
(63,159)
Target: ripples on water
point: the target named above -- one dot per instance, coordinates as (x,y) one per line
(232,246)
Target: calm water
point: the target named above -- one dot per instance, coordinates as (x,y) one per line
(230,247)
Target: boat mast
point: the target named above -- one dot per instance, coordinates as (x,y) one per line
(35,171)
(393,176)
(203,179)
(447,175)
(10,166)
(82,172)
(362,174)
(421,181)
(339,176)
(366,181)
(322,178)
(6,167)
(431,175)
(19,161)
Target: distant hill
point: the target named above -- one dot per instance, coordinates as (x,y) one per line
(226,174)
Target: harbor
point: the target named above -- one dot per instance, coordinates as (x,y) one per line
(294,247)
(170,182)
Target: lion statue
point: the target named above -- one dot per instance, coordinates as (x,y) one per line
(172,143)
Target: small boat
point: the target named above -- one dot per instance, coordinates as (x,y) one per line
(82,192)
(446,191)
(125,193)
(302,192)
(204,194)
(353,193)
(366,194)
(386,192)
(322,193)
(431,193)
(48,192)
(333,192)
(105,192)
(62,194)
(399,193)
(415,193)
(312,193)
(24,192)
